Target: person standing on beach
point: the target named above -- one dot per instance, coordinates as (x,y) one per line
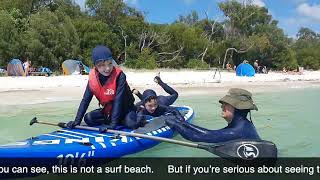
(235,107)
(26,66)
(256,66)
(162,100)
(108,84)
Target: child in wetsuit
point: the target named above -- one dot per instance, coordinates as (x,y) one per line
(151,107)
(108,84)
(161,100)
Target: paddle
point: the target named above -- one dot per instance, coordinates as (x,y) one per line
(245,149)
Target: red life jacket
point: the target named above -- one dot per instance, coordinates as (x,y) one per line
(106,93)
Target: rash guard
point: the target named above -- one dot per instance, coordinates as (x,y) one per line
(239,128)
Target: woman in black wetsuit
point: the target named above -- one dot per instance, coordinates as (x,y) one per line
(235,107)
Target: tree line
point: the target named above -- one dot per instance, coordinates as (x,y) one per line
(51,31)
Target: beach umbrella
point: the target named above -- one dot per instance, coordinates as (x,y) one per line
(245,69)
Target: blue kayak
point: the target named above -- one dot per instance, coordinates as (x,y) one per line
(76,143)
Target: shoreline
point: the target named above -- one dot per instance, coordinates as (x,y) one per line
(40,89)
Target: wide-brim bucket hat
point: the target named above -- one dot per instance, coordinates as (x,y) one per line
(239,99)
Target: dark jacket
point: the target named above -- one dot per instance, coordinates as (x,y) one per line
(161,110)
(122,104)
(239,128)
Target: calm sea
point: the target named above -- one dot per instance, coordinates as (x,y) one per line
(289,118)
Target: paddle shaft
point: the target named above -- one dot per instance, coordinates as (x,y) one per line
(217,149)
(156,138)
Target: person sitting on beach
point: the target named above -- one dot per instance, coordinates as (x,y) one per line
(26,66)
(264,70)
(235,107)
(108,84)
(228,66)
(284,70)
(161,100)
(81,69)
(151,107)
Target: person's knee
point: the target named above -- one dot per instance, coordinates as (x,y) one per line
(131,120)
(89,120)
(132,125)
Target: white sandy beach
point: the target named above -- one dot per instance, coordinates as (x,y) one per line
(38,89)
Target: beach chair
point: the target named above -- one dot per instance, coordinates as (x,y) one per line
(42,71)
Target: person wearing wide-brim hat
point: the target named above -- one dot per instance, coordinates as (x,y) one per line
(235,107)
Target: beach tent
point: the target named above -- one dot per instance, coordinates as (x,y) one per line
(73,67)
(245,69)
(15,68)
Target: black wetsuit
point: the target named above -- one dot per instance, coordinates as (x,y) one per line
(160,110)
(239,128)
(123,109)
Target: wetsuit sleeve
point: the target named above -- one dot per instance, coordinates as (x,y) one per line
(87,97)
(175,112)
(141,116)
(139,96)
(198,134)
(117,103)
(168,100)
(138,104)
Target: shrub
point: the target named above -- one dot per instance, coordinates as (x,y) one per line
(197,64)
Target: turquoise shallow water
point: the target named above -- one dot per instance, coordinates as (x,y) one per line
(288,118)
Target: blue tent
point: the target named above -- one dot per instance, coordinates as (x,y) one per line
(245,69)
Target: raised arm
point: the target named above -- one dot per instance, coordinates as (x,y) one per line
(199,134)
(166,100)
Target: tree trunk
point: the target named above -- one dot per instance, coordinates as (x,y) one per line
(125,43)
(225,55)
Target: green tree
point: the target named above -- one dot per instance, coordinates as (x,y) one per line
(190,19)
(50,39)
(308,49)
(197,64)
(9,45)
(145,60)
(95,32)
(109,11)
(252,29)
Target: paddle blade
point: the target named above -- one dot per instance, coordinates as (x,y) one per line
(62,124)
(244,149)
(33,120)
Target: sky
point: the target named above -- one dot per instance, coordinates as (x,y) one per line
(291,14)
